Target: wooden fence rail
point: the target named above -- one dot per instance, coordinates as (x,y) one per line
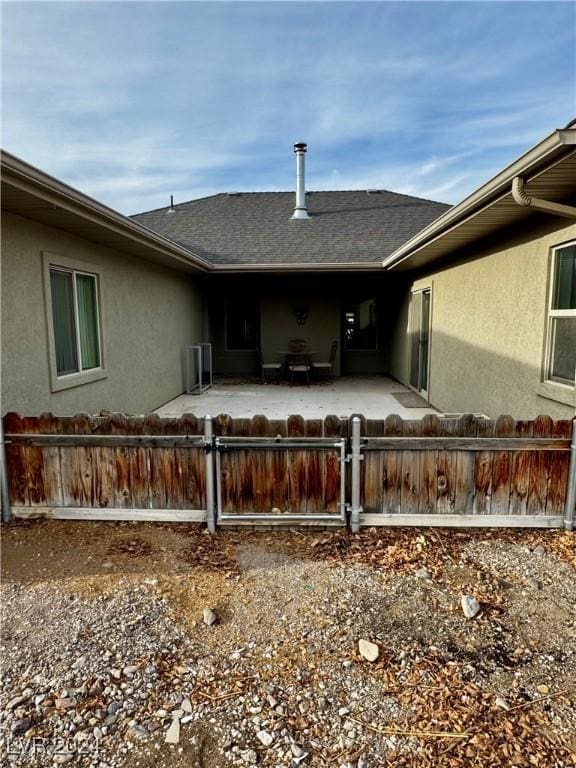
(461,471)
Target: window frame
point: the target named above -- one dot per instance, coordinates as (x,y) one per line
(560,386)
(244,350)
(57,262)
(353,350)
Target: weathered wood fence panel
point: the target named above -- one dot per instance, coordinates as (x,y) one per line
(105,463)
(480,467)
(467,471)
(270,468)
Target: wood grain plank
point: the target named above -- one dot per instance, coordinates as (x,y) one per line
(446,476)
(483,465)
(539,471)
(410,492)
(392,468)
(428,483)
(559,466)
(520,472)
(501,466)
(464,495)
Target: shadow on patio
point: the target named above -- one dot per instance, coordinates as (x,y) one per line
(241,398)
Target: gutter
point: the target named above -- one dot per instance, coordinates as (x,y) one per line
(524,199)
(497,186)
(362,266)
(30,179)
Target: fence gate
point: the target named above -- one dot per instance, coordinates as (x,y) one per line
(274,471)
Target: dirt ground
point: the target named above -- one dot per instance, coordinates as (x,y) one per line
(103,638)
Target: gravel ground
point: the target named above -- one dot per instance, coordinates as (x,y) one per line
(107,659)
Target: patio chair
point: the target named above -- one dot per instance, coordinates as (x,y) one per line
(325,368)
(267,369)
(298,346)
(299,363)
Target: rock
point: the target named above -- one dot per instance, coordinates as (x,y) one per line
(347,664)
(137,733)
(186,705)
(368,650)
(113,707)
(21,726)
(63,758)
(343,711)
(362,762)
(209,617)
(470,606)
(265,738)
(502,703)
(543,689)
(423,573)
(153,725)
(539,550)
(97,733)
(173,732)
(16,702)
(533,583)
(130,670)
(116,674)
(65,703)
(108,564)
(79,663)
(249,756)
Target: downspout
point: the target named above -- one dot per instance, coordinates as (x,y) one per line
(522,198)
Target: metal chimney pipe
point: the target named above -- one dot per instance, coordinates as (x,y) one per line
(300,211)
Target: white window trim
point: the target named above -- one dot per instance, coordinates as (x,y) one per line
(65,264)
(551,388)
(420,286)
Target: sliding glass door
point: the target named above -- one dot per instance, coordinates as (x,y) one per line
(419,340)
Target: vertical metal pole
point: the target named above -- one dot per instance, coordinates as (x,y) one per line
(571,490)
(355,509)
(6,510)
(209,447)
(343,480)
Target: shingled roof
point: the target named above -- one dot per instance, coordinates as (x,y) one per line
(255,228)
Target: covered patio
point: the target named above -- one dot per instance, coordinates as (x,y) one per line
(373,396)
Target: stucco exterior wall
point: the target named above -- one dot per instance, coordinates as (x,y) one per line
(149,314)
(489,317)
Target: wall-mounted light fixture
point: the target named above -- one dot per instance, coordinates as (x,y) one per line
(301,314)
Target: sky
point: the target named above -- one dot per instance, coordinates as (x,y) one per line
(131,102)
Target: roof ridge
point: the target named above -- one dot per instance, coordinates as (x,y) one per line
(240,193)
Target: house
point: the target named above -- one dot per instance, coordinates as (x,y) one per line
(472,306)
(490,305)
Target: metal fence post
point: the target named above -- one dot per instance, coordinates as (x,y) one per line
(209,448)
(571,491)
(355,507)
(5,496)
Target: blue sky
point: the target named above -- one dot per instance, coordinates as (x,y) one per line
(131,102)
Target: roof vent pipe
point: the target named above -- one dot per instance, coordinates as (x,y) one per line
(171,209)
(522,198)
(300,211)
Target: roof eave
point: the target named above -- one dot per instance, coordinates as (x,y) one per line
(486,195)
(28,178)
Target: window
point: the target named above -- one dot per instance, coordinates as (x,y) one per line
(360,326)
(242,325)
(561,347)
(74,321)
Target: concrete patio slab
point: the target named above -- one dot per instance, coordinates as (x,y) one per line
(371,396)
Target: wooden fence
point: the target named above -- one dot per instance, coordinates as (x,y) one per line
(465,471)
(433,471)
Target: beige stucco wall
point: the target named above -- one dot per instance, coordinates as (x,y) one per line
(150,313)
(489,325)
